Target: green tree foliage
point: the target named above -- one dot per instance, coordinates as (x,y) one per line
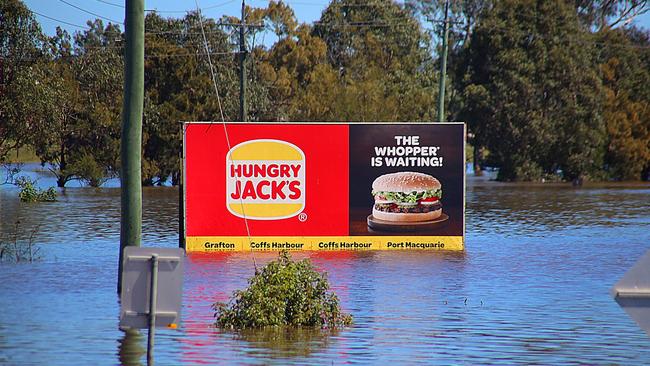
(21,47)
(281,18)
(284,293)
(547,87)
(99,67)
(59,134)
(533,96)
(601,15)
(625,66)
(79,131)
(381,55)
(463,15)
(177,88)
(289,67)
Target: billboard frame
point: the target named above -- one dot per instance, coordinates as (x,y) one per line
(183,158)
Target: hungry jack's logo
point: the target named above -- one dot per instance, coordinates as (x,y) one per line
(265,180)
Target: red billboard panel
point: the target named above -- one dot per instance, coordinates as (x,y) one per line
(263,186)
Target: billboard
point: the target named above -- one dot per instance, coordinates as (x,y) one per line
(323,186)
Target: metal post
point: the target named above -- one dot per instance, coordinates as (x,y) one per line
(443,65)
(243,109)
(153,295)
(131,137)
(181,192)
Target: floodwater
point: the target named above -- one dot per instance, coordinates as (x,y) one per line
(532,286)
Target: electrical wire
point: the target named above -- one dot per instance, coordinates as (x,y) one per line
(376,5)
(110,3)
(169,11)
(90,12)
(370,24)
(59,20)
(164,55)
(323,24)
(223,120)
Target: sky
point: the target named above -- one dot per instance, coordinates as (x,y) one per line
(77,12)
(64,10)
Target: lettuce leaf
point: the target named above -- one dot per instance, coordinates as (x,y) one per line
(409,197)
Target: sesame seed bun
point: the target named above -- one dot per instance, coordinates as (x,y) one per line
(405,182)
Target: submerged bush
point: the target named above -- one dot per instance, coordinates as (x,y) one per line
(17,247)
(89,171)
(29,192)
(284,292)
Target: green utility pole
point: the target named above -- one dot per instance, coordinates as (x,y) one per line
(443,65)
(131,139)
(243,109)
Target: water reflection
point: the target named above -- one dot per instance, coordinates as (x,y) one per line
(131,347)
(92,213)
(282,342)
(531,288)
(536,210)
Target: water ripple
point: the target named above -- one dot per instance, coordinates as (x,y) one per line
(532,287)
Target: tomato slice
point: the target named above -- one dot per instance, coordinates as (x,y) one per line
(430,199)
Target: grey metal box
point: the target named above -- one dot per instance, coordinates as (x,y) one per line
(632,292)
(136,286)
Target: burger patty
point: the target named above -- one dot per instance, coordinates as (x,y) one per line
(419,208)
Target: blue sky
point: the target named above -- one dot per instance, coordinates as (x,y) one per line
(306,10)
(64,10)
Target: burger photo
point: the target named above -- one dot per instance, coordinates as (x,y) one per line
(406,197)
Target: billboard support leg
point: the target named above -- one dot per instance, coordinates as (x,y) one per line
(181,192)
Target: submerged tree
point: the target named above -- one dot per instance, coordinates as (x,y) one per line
(78,134)
(99,67)
(532,94)
(58,135)
(625,67)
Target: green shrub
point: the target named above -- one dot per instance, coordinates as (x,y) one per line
(88,170)
(283,293)
(29,192)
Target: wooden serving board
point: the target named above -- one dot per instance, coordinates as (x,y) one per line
(384,225)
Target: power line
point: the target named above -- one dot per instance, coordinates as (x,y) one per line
(170,11)
(165,55)
(170,55)
(59,20)
(376,5)
(217,5)
(110,3)
(362,24)
(91,13)
(158,56)
(214,79)
(85,27)
(223,120)
(331,25)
